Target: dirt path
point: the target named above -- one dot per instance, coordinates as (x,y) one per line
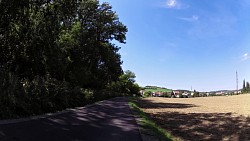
(109,120)
(208,118)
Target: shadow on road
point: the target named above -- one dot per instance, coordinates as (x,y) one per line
(200,126)
(110,120)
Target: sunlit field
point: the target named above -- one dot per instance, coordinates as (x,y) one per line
(205,118)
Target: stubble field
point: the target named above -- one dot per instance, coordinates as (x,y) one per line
(205,118)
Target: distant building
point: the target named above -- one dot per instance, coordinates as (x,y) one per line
(220,93)
(239,92)
(158,93)
(176,92)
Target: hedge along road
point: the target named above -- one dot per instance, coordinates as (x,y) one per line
(110,120)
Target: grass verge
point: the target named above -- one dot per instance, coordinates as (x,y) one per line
(147,124)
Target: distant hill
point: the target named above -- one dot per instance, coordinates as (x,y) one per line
(224,91)
(156,89)
(183,90)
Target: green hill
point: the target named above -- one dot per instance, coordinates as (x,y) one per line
(156,89)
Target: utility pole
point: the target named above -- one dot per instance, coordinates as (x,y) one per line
(236,82)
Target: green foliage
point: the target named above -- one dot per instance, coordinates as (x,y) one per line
(126,84)
(56,54)
(135,89)
(246,87)
(167,94)
(24,97)
(70,40)
(196,94)
(106,94)
(147,94)
(157,89)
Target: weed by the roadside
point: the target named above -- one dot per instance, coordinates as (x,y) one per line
(148,123)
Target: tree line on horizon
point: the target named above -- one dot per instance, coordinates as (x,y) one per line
(246,87)
(56,54)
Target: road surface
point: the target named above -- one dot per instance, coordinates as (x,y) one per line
(109,120)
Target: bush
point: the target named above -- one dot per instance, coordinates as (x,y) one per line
(24,97)
(147,94)
(135,89)
(196,94)
(106,94)
(181,96)
(166,94)
(11,95)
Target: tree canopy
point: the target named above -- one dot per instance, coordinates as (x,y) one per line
(51,50)
(68,39)
(246,87)
(126,83)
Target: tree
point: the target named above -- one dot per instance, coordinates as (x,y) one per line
(244,86)
(94,60)
(147,94)
(247,87)
(52,49)
(126,83)
(196,93)
(68,39)
(29,31)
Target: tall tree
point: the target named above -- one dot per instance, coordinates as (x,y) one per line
(247,87)
(244,86)
(50,46)
(126,83)
(94,60)
(69,39)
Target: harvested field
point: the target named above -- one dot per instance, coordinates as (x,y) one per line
(206,118)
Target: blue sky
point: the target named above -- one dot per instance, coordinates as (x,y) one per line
(180,44)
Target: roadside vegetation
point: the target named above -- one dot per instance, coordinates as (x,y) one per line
(57,54)
(147,125)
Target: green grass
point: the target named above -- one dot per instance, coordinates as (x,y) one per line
(148,123)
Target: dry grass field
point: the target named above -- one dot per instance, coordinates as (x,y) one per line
(205,118)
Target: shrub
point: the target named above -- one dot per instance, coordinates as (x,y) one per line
(147,94)
(24,97)
(166,94)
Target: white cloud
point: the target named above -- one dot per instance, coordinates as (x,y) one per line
(245,57)
(174,4)
(171,3)
(191,19)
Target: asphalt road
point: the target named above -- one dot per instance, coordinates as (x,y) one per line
(109,120)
